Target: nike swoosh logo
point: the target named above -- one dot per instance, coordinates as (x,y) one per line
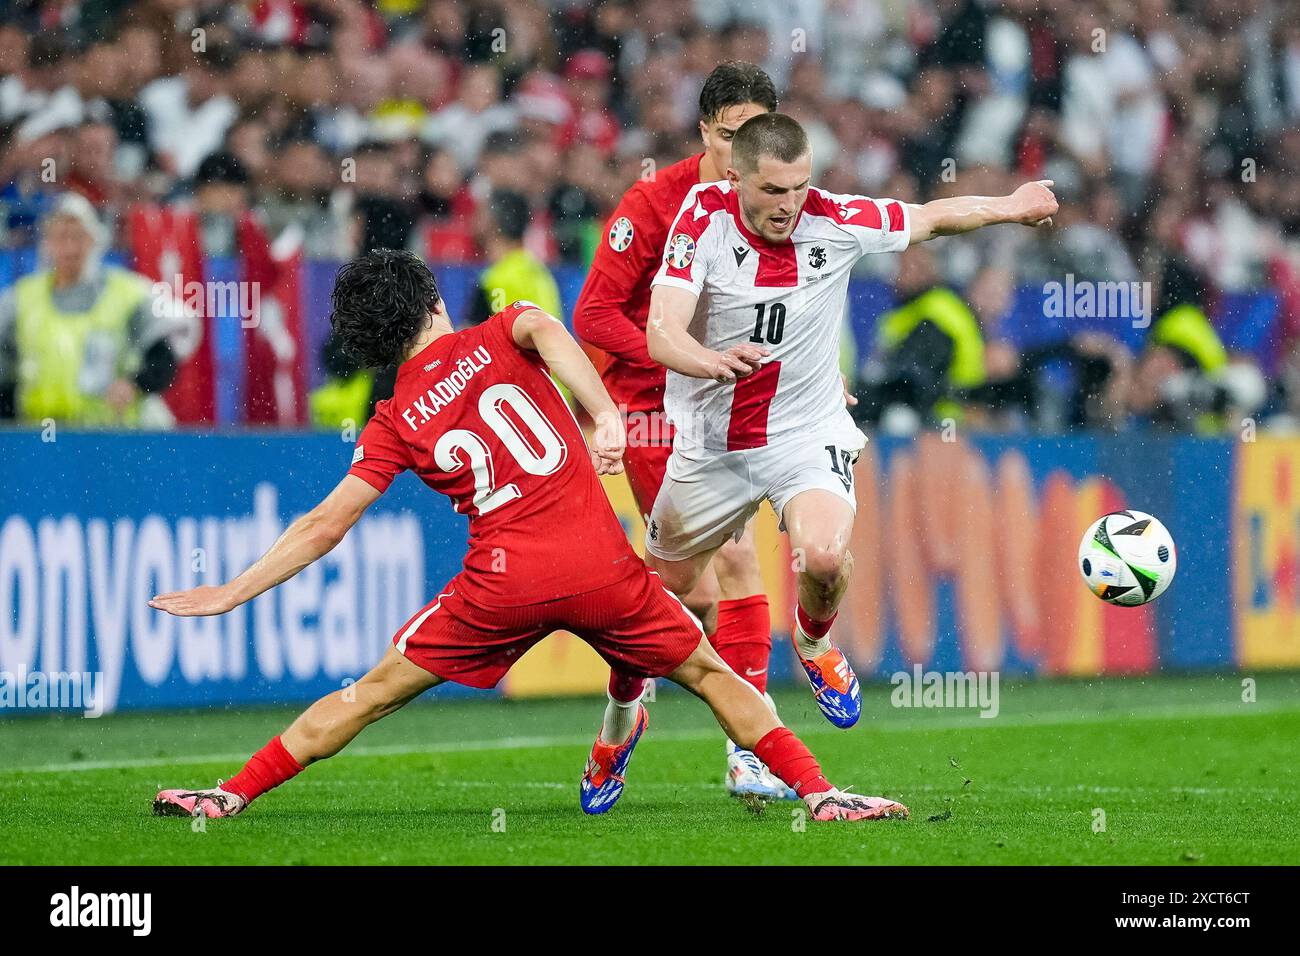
(750,672)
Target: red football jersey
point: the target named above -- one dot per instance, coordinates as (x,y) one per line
(615,300)
(478,419)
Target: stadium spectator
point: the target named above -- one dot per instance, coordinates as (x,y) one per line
(1186,378)
(346,399)
(462,126)
(514,274)
(92,172)
(221,196)
(300,196)
(929,349)
(1173,129)
(588,76)
(83,343)
(382,218)
(444,206)
(189,114)
(575,204)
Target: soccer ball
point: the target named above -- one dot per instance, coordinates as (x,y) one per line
(1127,558)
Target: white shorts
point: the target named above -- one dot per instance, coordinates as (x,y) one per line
(708,496)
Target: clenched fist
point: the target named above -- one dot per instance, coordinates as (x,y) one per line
(1033,204)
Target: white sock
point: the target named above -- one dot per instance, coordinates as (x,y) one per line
(810,647)
(620,719)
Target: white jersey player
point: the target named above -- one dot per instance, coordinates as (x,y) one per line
(746,312)
(787,297)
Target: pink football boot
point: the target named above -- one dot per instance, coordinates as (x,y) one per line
(837,805)
(212,803)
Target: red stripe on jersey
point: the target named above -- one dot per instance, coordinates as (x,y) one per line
(777,266)
(895,216)
(860,212)
(692,226)
(750,403)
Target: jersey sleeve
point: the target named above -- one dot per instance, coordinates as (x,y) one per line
(879,225)
(380,454)
(499,331)
(693,242)
(599,318)
(628,252)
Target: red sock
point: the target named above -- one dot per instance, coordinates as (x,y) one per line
(744,637)
(624,688)
(265,770)
(813,628)
(788,758)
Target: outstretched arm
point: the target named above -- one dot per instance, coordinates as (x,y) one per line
(672,345)
(1031,205)
(539,332)
(307,539)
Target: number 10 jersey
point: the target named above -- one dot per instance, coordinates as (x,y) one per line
(788,297)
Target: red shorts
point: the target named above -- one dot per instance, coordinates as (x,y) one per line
(636,625)
(645,465)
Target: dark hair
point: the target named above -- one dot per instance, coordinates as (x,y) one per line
(47,49)
(503,141)
(380,302)
(1179,285)
(221,168)
(767,134)
(735,83)
(510,214)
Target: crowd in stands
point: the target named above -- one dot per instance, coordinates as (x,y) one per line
(469,130)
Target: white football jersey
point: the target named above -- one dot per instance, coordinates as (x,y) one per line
(789,297)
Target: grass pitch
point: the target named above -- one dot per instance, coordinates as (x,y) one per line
(1181,768)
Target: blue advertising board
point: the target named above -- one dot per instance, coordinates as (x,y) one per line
(93,525)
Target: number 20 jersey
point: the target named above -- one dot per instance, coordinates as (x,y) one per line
(478,419)
(788,297)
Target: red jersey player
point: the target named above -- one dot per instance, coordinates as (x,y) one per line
(611,315)
(476,416)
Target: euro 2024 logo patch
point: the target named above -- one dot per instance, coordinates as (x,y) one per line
(620,234)
(681,251)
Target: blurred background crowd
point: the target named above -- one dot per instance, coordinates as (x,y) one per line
(172,135)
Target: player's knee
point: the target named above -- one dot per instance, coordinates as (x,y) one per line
(677,576)
(824,563)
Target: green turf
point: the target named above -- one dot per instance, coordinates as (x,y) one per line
(1183,769)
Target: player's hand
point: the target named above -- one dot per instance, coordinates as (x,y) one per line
(608,442)
(849,398)
(1033,204)
(196,602)
(739,361)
